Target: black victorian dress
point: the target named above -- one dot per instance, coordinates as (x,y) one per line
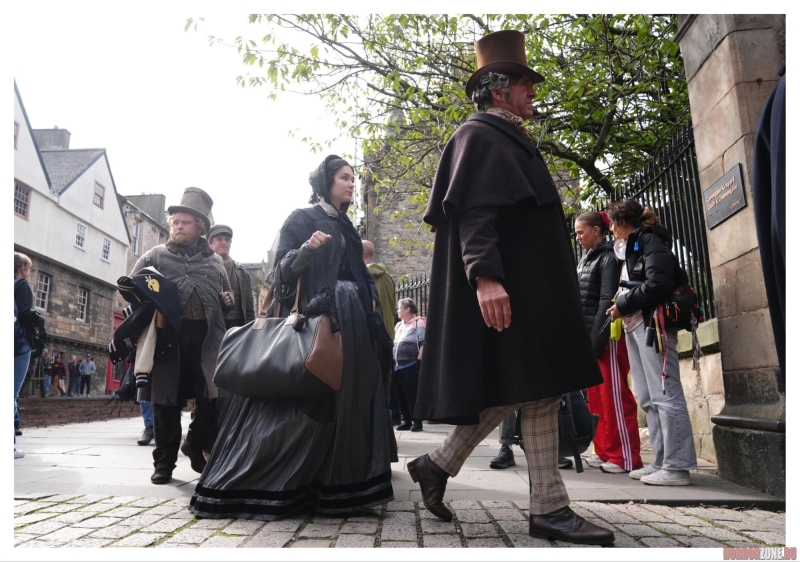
(328,452)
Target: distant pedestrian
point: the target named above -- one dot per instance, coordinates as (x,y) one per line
(74,376)
(47,365)
(87,369)
(26,323)
(58,372)
(147,416)
(409,339)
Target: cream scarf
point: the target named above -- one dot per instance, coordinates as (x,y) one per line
(515,120)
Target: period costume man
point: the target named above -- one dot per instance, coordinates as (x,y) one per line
(187,372)
(220,238)
(502,247)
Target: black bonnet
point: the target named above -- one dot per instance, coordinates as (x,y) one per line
(322,177)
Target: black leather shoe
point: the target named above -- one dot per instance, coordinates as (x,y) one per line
(147,436)
(565,525)
(161,476)
(416,426)
(405,426)
(504,459)
(196,458)
(564,462)
(432,481)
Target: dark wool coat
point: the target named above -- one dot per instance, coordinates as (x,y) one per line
(246,305)
(204,273)
(497,213)
(769,202)
(598,278)
(323,269)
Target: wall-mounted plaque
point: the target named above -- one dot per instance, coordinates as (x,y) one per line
(725,197)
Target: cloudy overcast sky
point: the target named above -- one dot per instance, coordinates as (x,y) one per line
(167,108)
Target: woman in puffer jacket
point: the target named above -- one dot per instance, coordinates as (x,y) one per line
(616,442)
(644,244)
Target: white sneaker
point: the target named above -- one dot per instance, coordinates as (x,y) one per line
(611,468)
(665,477)
(592,460)
(19,453)
(644,471)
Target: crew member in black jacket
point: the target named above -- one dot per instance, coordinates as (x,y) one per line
(644,244)
(616,441)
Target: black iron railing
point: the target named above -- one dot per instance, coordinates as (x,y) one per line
(415,288)
(670,186)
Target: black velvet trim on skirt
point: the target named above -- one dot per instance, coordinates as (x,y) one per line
(329,453)
(245,504)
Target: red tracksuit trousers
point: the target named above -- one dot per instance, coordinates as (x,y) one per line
(617,437)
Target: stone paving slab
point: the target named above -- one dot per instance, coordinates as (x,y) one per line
(402,524)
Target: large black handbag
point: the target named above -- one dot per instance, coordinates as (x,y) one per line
(273,357)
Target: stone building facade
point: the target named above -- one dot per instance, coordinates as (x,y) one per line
(68,221)
(732,63)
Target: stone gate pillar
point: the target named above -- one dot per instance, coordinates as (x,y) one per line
(732,64)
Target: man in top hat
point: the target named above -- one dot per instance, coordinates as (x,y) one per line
(205,297)
(220,238)
(516,338)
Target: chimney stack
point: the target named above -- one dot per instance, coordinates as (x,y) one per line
(53,139)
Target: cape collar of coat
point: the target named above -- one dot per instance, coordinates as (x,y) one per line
(181,249)
(508,129)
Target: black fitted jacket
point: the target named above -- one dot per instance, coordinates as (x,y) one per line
(652,262)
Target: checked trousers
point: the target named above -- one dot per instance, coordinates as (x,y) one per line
(540,438)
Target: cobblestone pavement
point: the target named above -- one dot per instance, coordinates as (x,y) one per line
(53,521)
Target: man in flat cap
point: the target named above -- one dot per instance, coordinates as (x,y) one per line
(205,298)
(502,247)
(220,238)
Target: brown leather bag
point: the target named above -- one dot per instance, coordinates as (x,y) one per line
(273,357)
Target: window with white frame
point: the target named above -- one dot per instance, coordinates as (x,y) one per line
(42,291)
(22,200)
(99,194)
(83,303)
(137,227)
(80,236)
(16,134)
(106,255)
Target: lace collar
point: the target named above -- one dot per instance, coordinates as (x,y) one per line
(329,209)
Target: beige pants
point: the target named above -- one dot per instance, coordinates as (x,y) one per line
(540,437)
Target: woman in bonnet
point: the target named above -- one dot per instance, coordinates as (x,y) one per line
(328,452)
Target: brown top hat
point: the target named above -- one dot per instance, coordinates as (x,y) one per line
(196,202)
(501,51)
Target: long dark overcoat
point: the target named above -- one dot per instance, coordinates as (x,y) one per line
(498,214)
(204,273)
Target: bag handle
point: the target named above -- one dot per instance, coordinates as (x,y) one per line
(261,319)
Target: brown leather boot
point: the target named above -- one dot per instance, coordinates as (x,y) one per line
(432,481)
(566,525)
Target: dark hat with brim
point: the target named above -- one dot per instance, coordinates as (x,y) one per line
(501,51)
(195,201)
(219,229)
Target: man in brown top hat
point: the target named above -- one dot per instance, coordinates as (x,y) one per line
(220,238)
(187,372)
(502,247)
